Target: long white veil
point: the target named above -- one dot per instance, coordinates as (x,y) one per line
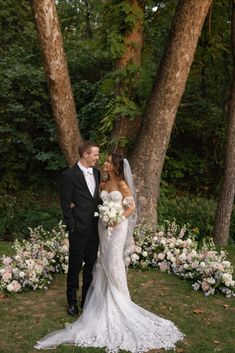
(132,219)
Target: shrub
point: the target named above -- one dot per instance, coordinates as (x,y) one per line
(18,213)
(197,211)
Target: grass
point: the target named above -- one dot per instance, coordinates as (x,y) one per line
(6,248)
(208,322)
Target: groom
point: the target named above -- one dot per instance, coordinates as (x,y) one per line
(79,195)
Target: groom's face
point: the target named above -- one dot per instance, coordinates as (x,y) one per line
(92,156)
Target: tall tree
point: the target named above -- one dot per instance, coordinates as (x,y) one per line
(126,129)
(148,155)
(58,81)
(226,198)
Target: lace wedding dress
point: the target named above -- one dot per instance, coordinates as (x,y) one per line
(110,319)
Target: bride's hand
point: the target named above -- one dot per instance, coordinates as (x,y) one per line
(113,224)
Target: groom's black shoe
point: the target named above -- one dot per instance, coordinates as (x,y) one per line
(73,310)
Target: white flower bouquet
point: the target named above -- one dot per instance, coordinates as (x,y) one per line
(111,213)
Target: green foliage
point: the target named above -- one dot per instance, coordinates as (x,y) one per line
(199,132)
(28,144)
(27,209)
(197,211)
(93,35)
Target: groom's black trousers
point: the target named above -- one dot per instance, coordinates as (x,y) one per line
(82,248)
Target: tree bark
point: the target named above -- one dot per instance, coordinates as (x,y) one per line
(226,198)
(56,71)
(147,157)
(125,129)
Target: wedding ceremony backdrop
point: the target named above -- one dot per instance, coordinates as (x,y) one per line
(148,78)
(155,81)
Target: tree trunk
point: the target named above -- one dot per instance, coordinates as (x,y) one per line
(148,155)
(125,129)
(226,198)
(57,76)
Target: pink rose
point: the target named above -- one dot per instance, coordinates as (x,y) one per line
(163,266)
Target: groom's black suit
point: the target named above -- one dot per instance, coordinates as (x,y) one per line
(82,227)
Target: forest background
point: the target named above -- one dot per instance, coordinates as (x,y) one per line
(31,160)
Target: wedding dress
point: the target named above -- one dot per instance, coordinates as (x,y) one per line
(110,319)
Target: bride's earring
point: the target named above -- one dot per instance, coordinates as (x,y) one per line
(104,176)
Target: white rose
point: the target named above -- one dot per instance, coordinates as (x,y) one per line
(138,249)
(15,271)
(189,241)
(229,283)
(182,257)
(10,287)
(169,255)
(144,253)
(193,253)
(226,263)
(179,242)
(14,286)
(210,280)
(135,257)
(17,258)
(226,277)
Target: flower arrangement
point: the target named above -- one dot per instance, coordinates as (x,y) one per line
(172,249)
(110,212)
(35,261)
(175,250)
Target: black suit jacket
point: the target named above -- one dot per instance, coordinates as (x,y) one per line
(74,189)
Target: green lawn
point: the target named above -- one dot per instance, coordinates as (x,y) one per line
(208,322)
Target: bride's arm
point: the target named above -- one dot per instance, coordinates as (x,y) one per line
(128,200)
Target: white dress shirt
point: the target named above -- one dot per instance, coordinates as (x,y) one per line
(89,177)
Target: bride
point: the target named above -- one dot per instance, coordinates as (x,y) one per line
(110,319)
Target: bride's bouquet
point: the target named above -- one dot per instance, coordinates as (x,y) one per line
(110,213)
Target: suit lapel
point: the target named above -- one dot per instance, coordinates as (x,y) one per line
(81,177)
(96,175)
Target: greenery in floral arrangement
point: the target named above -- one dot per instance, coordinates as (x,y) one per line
(174,249)
(35,260)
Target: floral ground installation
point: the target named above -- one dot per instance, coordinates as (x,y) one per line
(35,260)
(172,249)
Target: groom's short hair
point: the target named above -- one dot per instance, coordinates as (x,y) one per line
(86,146)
